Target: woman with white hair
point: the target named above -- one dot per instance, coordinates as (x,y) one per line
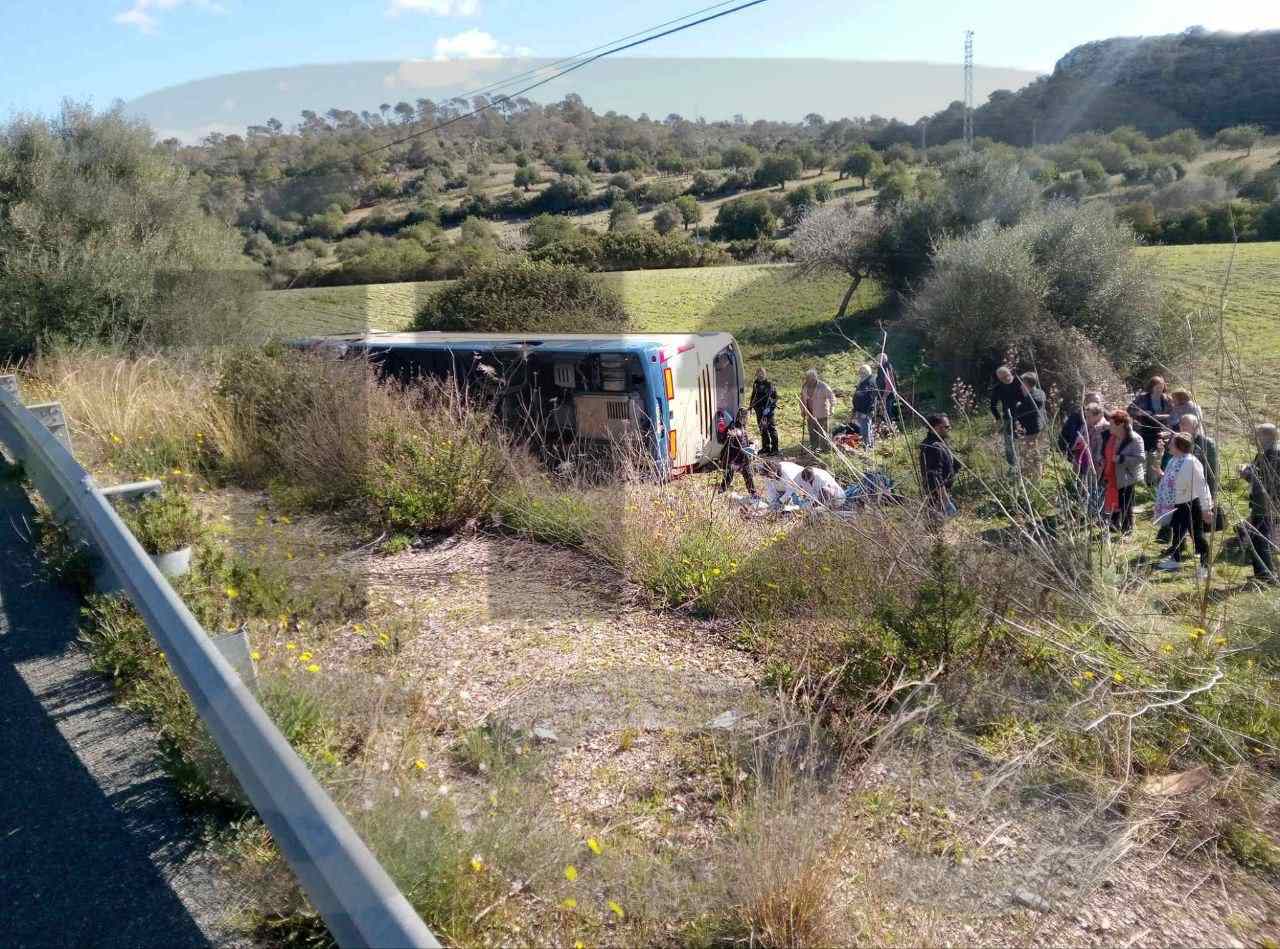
(865,397)
(817,402)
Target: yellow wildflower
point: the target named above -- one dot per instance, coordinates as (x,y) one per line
(232,593)
(291,646)
(570,903)
(1119,676)
(313,668)
(571,873)
(476,863)
(305,657)
(1088,673)
(616,910)
(255,655)
(420,765)
(1220,641)
(594,846)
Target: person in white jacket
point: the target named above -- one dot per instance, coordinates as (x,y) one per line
(781,480)
(1185,503)
(820,485)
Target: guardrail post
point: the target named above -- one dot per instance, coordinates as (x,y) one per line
(51,417)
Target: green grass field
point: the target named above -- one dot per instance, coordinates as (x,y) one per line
(1198,274)
(785,323)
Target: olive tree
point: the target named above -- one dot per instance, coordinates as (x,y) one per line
(840,238)
(102,238)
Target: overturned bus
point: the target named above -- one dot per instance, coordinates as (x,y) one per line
(574,395)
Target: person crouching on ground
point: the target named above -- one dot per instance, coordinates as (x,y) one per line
(781,480)
(1184,501)
(865,397)
(737,454)
(1123,463)
(764,402)
(938,469)
(817,401)
(1264,502)
(820,485)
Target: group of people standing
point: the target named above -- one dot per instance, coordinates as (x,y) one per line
(874,397)
(1159,440)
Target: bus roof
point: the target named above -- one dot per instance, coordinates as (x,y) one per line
(551,342)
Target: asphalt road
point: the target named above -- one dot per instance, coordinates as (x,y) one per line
(94,847)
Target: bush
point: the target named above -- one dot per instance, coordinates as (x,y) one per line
(522,297)
(103,239)
(163,523)
(744,219)
(1022,287)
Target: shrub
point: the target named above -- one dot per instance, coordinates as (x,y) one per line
(744,219)
(524,296)
(1068,268)
(163,523)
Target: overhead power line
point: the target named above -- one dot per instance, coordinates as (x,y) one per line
(518,77)
(646,36)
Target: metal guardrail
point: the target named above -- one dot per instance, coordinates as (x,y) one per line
(346,884)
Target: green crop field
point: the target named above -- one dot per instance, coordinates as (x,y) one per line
(334,310)
(1199,273)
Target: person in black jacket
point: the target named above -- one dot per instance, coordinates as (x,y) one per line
(1264,503)
(764,402)
(938,468)
(865,398)
(737,454)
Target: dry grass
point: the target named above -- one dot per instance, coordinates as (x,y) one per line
(134,416)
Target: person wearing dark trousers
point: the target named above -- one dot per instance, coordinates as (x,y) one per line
(1264,503)
(865,398)
(1123,463)
(937,470)
(764,402)
(1184,502)
(737,454)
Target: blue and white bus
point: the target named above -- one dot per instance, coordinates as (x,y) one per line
(580,392)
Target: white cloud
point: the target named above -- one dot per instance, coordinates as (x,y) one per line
(435,7)
(143,13)
(470,44)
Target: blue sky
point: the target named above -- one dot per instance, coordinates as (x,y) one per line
(102,50)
